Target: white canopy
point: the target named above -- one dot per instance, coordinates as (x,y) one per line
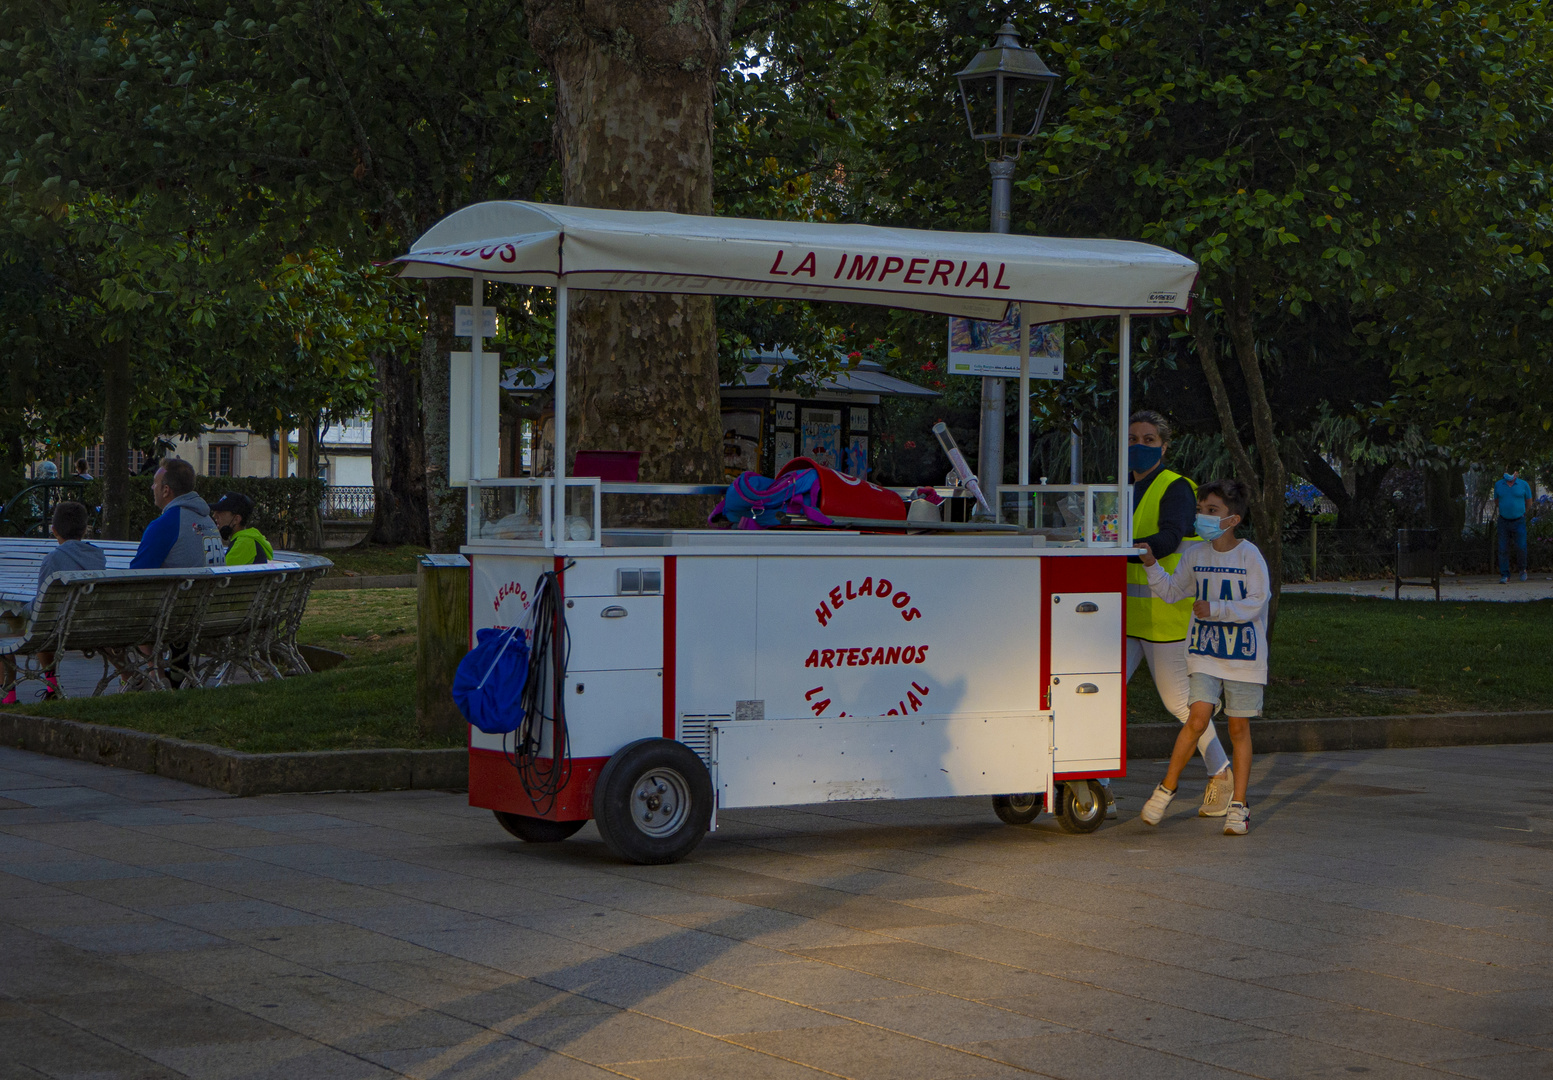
(971,274)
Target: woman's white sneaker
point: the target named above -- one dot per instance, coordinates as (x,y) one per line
(1237,819)
(1221,789)
(1154,809)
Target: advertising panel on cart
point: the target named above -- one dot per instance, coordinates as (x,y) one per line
(674,672)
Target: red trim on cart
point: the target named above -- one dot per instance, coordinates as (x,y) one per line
(1083,575)
(670,643)
(494,785)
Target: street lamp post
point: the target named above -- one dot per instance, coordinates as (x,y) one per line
(1005,90)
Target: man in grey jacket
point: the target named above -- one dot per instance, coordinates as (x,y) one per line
(183,536)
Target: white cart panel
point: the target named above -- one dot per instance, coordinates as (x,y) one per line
(610,632)
(1088,733)
(716,619)
(1086,632)
(865,636)
(605,710)
(788,762)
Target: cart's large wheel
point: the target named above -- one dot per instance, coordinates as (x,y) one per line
(1018,809)
(1071,815)
(653,801)
(536,830)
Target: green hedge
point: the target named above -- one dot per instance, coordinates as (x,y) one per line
(282,507)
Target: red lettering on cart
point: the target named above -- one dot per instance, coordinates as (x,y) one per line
(822,613)
(842,265)
(916,702)
(852,657)
(892,265)
(922,656)
(807,266)
(850,594)
(998,284)
(512,588)
(912,614)
(835,597)
(919,689)
(866,588)
(901,599)
(893,656)
(814,659)
(778,263)
(914,269)
(863,271)
(878,656)
(826,657)
(961,278)
(882,589)
(810,695)
(820,706)
(941,269)
(981,273)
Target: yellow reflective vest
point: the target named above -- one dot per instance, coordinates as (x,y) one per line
(1149,617)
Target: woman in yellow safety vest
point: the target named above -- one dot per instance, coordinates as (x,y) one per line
(1163,515)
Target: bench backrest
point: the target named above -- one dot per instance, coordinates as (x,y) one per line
(94,609)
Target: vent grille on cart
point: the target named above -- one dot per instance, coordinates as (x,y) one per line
(695,731)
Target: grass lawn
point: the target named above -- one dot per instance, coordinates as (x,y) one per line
(368,701)
(374,559)
(1331,656)
(1360,656)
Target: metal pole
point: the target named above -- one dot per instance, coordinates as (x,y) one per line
(989,452)
(476,363)
(1123,411)
(1076,453)
(1024,397)
(559,387)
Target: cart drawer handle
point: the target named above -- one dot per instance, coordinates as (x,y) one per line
(1087,688)
(1087,607)
(614,611)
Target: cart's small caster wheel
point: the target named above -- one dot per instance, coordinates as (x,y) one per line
(653,801)
(1071,814)
(1018,809)
(536,830)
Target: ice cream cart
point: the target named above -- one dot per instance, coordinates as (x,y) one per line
(679,672)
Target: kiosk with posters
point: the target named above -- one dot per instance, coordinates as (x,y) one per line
(678,672)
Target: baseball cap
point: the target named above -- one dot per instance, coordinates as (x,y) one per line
(235,502)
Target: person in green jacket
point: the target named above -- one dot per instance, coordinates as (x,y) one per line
(231,513)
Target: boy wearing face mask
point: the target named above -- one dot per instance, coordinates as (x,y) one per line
(1226,655)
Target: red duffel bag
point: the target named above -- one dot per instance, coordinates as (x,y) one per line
(848,497)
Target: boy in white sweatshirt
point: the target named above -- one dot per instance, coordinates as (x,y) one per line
(1226,646)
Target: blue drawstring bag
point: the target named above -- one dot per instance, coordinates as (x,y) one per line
(488,686)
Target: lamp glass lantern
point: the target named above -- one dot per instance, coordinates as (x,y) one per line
(1005,90)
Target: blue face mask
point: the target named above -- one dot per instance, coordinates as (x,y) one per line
(1207,527)
(1509,477)
(1140,458)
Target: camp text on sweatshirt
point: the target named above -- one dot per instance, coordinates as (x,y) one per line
(1231,643)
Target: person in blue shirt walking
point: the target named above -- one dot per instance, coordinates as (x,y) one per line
(1514,497)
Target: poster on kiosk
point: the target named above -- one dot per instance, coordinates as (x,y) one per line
(792,654)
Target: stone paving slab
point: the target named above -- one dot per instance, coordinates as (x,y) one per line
(1383,919)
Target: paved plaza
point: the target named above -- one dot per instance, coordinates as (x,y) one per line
(1391,914)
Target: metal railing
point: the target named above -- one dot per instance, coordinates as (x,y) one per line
(343,502)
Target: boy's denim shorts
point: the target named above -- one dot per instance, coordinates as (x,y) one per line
(1240,698)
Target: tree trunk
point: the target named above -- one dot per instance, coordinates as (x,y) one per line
(635,81)
(1269,483)
(307,446)
(115,442)
(398,450)
(444,504)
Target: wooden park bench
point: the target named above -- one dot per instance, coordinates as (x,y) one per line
(196,626)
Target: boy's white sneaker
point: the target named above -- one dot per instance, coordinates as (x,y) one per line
(1154,809)
(1221,789)
(1237,819)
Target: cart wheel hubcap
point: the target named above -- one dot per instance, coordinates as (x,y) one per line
(661,802)
(1021,803)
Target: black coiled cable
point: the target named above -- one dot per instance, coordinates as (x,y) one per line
(544,700)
